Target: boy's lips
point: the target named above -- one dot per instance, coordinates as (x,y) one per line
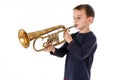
(76,25)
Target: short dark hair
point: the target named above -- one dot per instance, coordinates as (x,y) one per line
(88,9)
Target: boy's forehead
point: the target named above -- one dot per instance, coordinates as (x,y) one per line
(79,12)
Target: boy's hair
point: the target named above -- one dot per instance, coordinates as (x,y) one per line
(88,9)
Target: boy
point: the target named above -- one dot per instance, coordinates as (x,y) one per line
(79,47)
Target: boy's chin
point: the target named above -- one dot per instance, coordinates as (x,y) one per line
(77,27)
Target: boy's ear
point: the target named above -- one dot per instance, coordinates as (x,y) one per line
(90,20)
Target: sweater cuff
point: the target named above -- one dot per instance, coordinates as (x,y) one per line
(53,53)
(70,44)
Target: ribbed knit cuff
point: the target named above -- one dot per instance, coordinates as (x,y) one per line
(70,44)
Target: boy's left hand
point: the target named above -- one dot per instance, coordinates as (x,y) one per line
(67,37)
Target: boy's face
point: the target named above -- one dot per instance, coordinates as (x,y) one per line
(81,19)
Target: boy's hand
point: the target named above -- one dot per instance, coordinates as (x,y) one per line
(50,48)
(67,37)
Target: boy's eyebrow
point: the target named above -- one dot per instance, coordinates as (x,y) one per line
(78,16)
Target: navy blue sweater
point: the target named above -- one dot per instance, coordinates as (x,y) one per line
(79,56)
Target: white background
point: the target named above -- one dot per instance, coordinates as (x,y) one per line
(17,63)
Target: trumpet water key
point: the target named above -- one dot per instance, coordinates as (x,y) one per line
(52,39)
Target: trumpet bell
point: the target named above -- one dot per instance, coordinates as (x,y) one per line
(23,38)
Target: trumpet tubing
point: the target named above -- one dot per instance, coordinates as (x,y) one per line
(52,39)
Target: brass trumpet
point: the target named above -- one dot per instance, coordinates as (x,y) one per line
(52,39)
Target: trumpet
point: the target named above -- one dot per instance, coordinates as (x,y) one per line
(52,39)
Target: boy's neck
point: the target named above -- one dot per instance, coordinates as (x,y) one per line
(85,30)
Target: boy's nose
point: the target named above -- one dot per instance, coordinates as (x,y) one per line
(75,21)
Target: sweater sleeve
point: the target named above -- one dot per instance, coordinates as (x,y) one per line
(82,52)
(61,51)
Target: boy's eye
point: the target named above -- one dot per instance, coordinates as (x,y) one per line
(78,17)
